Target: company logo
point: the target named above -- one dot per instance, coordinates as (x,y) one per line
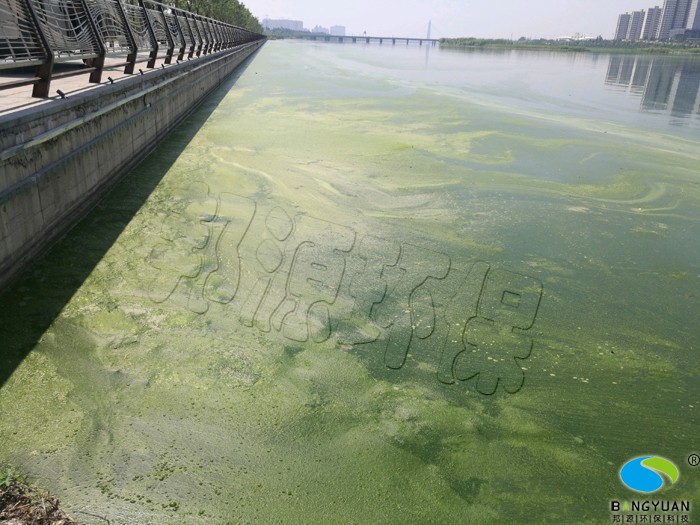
(648,474)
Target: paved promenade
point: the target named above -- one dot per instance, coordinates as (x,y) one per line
(20,98)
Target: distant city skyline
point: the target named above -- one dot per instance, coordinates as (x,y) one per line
(455,18)
(677,19)
(298,25)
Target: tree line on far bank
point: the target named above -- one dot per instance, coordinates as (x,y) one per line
(597,44)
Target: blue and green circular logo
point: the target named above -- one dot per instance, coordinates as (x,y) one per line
(648,474)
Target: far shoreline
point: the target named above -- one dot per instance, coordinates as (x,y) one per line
(576,46)
(595,45)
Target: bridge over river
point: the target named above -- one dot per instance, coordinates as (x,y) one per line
(364,39)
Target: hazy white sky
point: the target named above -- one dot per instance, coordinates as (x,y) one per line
(452,18)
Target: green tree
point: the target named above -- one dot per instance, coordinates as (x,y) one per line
(229,11)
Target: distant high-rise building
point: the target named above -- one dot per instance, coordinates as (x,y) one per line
(338,30)
(319,29)
(294,25)
(652,22)
(634,32)
(694,16)
(623,25)
(674,18)
(667,16)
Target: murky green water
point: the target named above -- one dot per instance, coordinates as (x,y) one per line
(378,285)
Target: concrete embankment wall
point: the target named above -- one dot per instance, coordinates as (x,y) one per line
(58,159)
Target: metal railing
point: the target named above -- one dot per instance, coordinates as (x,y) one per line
(42,33)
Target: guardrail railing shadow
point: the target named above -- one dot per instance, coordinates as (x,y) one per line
(42,33)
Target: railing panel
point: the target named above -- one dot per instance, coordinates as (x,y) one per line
(220,40)
(111,25)
(186,30)
(198,40)
(158,26)
(66,27)
(174,28)
(19,39)
(206,39)
(138,23)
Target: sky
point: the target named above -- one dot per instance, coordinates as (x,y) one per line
(455,18)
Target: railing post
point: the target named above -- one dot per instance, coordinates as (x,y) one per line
(45,70)
(193,24)
(189,28)
(131,57)
(183,41)
(168,34)
(213,29)
(216,29)
(219,36)
(99,62)
(229,36)
(199,22)
(154,40)
(210,35)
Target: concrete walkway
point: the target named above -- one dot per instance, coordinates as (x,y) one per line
(20,98)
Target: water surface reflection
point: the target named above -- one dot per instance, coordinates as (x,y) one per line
(664,84)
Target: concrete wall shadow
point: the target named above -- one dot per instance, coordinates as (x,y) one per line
(32,303)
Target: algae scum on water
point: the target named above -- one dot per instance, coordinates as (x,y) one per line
(348,290)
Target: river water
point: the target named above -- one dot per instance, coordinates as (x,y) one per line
(377,284)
